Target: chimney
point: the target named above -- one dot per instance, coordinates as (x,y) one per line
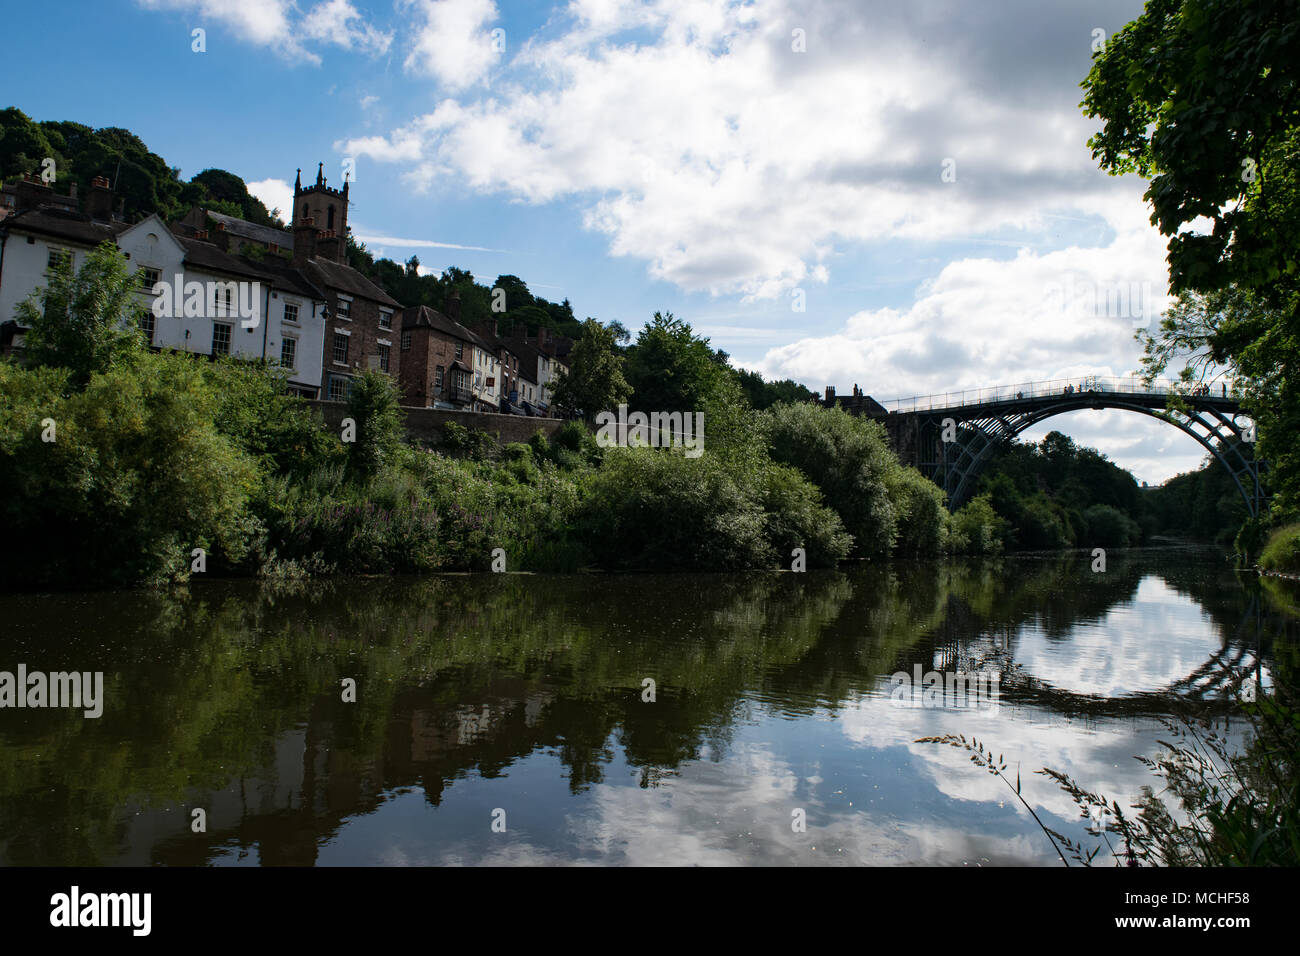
(330,245)
(830,394)
(221,238)
(30,193)
(304,241)
(453,306)
(201,234)
(99,200)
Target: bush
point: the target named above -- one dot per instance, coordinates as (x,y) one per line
(374,405)
(849,459)
(656,508)
(976,528)
(1110,527)
(472,443)
(1281,552)
(137,476)
(921,514)
(798,518)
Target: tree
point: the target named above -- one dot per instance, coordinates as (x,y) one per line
(1200,97)
(672,369)
(373,405)
(594,381)
(85,322)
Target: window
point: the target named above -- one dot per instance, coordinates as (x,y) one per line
(383,357)
(288,352)
(460,350)
(345,308)
(221,338)
(222,298)
(338,390)
(290,312)
(478,380)
(147,326)
(340,348)
(148,278)
(406,341)
(437,378)
(59,258)
(385,319)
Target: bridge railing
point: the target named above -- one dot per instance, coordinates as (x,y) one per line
(1129,385)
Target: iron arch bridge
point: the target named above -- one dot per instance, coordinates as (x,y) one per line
(950,438)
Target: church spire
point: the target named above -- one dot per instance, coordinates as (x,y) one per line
(297,182)
(320,174)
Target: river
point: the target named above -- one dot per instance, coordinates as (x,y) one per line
(615,719)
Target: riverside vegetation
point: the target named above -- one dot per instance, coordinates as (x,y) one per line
(119,463)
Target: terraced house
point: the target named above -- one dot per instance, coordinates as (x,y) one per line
(218,285)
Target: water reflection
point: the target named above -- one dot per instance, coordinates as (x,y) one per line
(525,694)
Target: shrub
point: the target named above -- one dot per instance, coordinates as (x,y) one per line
(1110,527)
(137,476)
(976,528)
(656,508)
(849,459)
(373,404)
(1281,552)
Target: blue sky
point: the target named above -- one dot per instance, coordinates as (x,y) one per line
(915,175)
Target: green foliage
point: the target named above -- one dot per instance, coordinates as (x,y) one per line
(373,404)
(138,475)
(1281,552)
(671,369)
(1203,505)
(849,459)
(1110,527)
(141,179)
(468,442)
(797,517)
(1199,97)
(976,528)
(284,434)
(85,322)
(762,394)
(922,517)
(594,381)
(1044,491)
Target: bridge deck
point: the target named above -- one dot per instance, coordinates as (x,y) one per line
(1131,390)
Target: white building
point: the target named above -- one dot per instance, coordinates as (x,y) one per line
(199,298)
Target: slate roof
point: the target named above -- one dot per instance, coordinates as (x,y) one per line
(251,230)
(61,224)
(421,316)
(336,275)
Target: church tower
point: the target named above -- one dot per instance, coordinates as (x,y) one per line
(324,210)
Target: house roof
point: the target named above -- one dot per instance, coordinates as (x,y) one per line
(336,275)
(251,230)
(62,224)
(422,316)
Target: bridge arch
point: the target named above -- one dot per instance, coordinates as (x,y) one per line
(951,441)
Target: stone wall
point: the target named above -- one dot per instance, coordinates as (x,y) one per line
(426,424)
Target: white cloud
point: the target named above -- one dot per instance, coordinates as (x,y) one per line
(338,22)
(277,24)
(700,142)
(274,194)
(453,42)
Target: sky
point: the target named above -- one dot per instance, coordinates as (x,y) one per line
(898,196)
